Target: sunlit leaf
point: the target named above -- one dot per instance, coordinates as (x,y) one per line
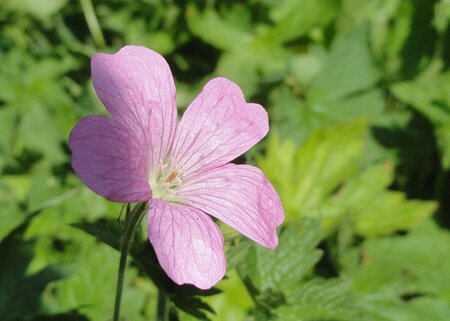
(283,269)
(326,177)
(321,299)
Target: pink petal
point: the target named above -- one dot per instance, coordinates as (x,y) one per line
(188,244)
(107,157)
(217,127)
(240,196)
(136,86)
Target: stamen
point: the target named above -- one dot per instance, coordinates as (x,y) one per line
(172,176)
(165,182)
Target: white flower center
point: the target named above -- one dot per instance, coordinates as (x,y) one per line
(165,182)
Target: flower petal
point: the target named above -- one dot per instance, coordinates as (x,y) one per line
(240,196)
(217,127)
(108,159)
(188,244)
(136,86)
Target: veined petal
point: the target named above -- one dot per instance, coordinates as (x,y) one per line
(240,196)
(136,86)
(217,127)
(108,158)
(188,244)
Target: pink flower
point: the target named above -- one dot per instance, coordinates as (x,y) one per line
(141,154)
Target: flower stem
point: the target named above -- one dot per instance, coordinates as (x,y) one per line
(92,22)
(132,220)
(163,308)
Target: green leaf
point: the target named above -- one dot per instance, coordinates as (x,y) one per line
(304,67)
(418,309)
(321,299)
(39,133)
(293,19)
(91,286)
(10,215)
(185,297)
(260,59)
(328,87)
(292,117)
(344,87)
(42,10)
(327,177)
(417,263)
(429,95)
(305,176)
(43,116)
(375,209)
(249,54)
(216,30)
(109,231)
(402,278)
(240,68)
(161,33)
(391,26)
(234,302)
(282,270)
(278,281)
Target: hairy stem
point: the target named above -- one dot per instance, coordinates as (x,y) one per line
(163,307)
(132,220)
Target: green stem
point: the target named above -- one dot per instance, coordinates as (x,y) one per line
(131,222)
(92,22)
(163,308)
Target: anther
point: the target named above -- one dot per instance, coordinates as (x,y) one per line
(171,177)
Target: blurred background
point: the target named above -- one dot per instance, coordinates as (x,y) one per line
(358,94)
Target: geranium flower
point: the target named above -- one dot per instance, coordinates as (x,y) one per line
(140,153)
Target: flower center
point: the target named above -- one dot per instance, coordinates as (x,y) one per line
(164,183)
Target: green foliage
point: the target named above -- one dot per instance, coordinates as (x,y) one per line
(280,270)
(20,291)
(143,256)
(343,87)
(252,53)
(403,277)
(329,87)
(326,177)
(429,94)
(90,287)
(283,286)
(43,10)
(415,264)
(323,300)
(358,94)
